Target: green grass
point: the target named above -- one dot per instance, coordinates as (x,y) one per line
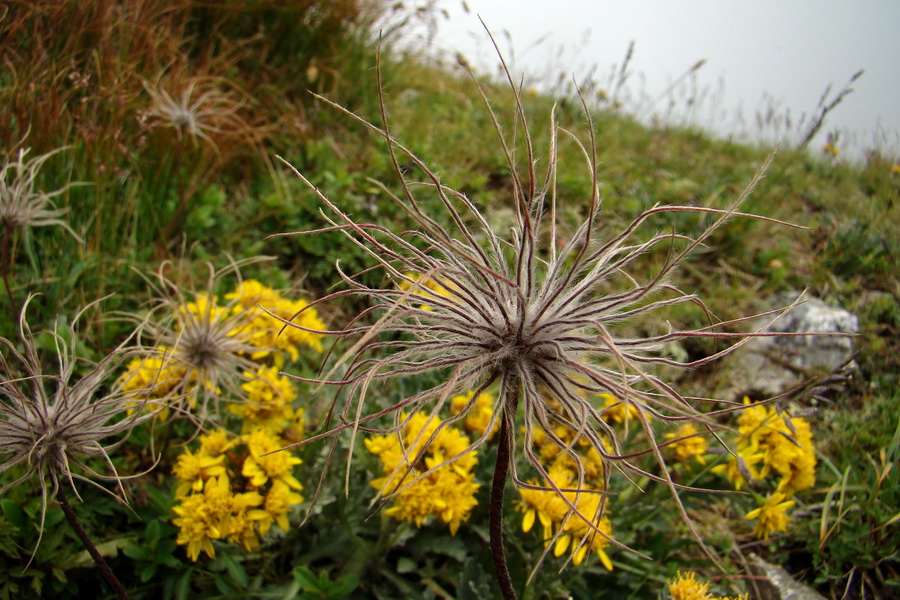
(77,80)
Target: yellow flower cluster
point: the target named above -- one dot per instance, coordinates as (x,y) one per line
(570,511)
(267,329)
(166,376)
(688,444)
(478,417)
(772,515)
(616,411)
(772,443)
(234,488)
(416,491)
(156,378)
(230,490)
(428,289)
(573,512)
(686,586)
(269,402)
(568,449)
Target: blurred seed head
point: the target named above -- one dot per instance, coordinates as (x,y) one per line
(22,204)
(208,342)
(195,113)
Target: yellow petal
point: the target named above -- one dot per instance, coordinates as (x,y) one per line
(561,544)
(528,521)
(605,560)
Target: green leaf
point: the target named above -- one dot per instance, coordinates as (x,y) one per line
(236,570)
(13,512)
(341,587)
(108,549)
(406,565)
(224,586)
(132,550)
(54,517)
(147,571)
(448,546)
(37,583)
(183,586)
(154,530)
(306,579)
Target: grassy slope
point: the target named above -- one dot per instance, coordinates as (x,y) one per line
(846,254)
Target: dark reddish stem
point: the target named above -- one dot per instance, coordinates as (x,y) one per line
(91,548)
(495,510)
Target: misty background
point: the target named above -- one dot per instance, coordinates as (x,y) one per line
(767,66)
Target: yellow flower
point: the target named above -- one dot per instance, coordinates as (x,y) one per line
(196,528)
(785,442)
(215,514)
(685,586)
(260,466)
(693,446)
(450,443)
(736,468)
(586,535)
(192,470)
(479,416)
(443,493)
(217,442)
(547,506)
(202,309)
(616,410)
(154,378)
(156,374)
(791,453)
(429,289)
(552,509)
(565,447)
(268,403)
(448,492)
(251,292)
(277,504)
(267,330)
(771,515)
(831,149)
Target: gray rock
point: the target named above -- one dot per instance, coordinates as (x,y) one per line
(774,583)
(769,366)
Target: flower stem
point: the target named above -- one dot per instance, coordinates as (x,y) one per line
(4,265)
(89,545)
(495,511)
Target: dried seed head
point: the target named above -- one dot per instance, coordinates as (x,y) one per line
(51,426)
(198,114)
(480,308)
(207,343)
(21,203)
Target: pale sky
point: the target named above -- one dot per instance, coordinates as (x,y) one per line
(758,52)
